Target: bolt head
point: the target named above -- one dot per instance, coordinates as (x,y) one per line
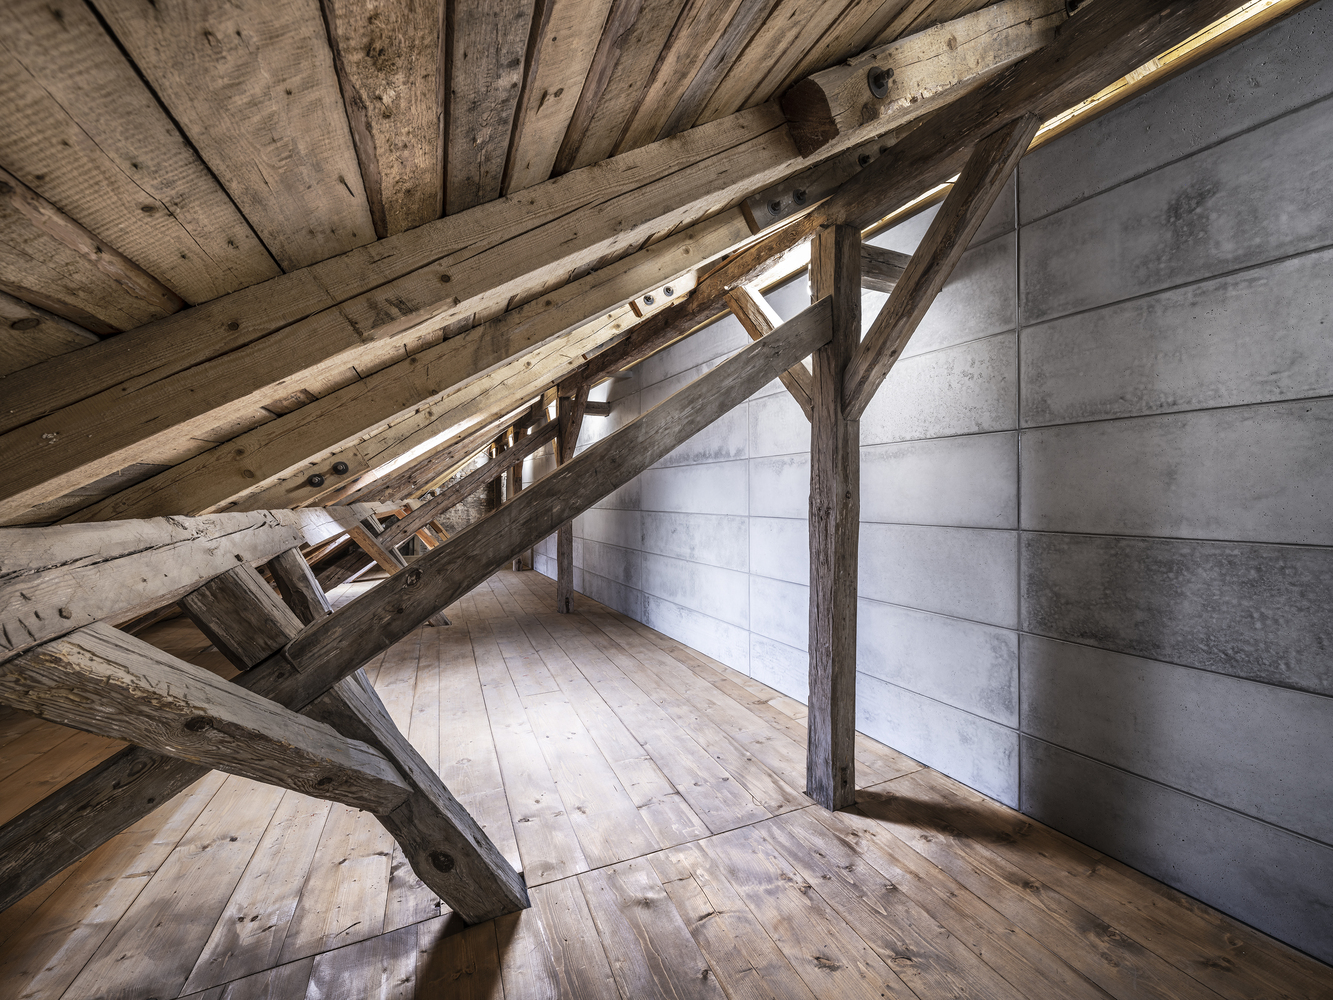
(315,480)
(799,197)
(648,300)
(340,468)
(878,81)
(668,291)
(775,208)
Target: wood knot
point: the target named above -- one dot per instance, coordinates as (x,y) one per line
(442,861)
(199,723)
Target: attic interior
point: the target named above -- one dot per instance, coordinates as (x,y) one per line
(710,498)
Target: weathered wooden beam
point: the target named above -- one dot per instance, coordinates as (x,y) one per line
(569,414)
(106,682)
(473,481)
(332,648)
(973,194)
(910,76)
(298,586)
(367,537)
(760,319)
(443,843)
(880,268)
(835,515)
(593,408)
(54,580)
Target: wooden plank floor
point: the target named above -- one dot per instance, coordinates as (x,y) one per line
(653,799)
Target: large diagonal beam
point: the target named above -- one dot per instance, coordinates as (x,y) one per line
(759,319)
(988,169)
(332,648)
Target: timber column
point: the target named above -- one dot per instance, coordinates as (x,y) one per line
(835,515)
(570,414)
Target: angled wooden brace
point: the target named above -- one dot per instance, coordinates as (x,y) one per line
(993,159)
(446,848)
(103,681)
(759,319)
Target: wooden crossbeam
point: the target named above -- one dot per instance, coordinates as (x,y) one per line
(760,319)
(475,480)
(54,580)
(106,682)
(300,590)
(952,229)
(834,526)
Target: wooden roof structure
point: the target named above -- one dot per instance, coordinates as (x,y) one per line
(263,264)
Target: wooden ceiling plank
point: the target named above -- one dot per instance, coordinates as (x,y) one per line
(928,68)
(565,38)
(487,45)
(228,324)
(788,33)
(389,56)
(636,33)
(748,19)
(198,398)
(82,130)
(29,335)
(50,259)
(846,38)
(277,456)
(698,29)
(254,88)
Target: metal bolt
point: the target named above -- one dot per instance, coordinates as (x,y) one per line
(669,292)
(799,197)
(648,300)
(340,468)
(863,159)
(315,480)
(878,80)
(775,208)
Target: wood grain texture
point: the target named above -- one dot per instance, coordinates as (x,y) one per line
(474,480)
(58,579)
(928,68)
(83,131)
(169,706)
(254,88)
(569,416)
(487,45)
(988,168)
(635,34)
(754,313)
(835,524)
(50,260)
(881,269)
(747,20)
(390,61)
(298,586)
(28,335)
(564,41)
(697,31)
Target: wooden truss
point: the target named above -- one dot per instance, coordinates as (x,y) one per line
(300,713)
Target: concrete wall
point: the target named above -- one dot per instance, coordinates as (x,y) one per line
(1097,541)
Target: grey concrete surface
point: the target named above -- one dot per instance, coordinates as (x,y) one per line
(1258,749)
(1133,584)
(1247,610)
(1271,878)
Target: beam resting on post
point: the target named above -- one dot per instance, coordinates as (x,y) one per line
(835,514)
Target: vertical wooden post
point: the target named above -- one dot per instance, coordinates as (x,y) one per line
(570,414)
(835,513)
(515,484)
